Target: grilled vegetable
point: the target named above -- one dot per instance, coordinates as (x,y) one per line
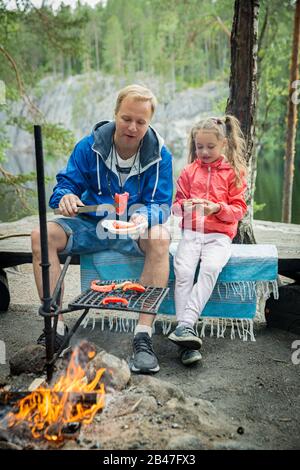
(122,284)
(102,288)
(114,300)
(134,286)
(121,202)
(119,224)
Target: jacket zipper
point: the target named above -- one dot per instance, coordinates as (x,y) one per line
(208,182)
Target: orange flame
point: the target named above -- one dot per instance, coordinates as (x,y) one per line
(48,410)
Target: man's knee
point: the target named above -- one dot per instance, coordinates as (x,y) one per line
(57,238)
(157,241)
(35,240)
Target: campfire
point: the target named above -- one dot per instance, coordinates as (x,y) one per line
(53,412)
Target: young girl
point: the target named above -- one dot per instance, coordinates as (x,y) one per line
(210,199)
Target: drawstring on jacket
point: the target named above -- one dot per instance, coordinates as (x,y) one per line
(98,176)
(156,182)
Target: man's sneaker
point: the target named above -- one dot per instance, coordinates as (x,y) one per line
(58,341)
(190,356)
(186,337)
(144,360)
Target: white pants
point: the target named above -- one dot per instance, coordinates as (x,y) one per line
(214,250)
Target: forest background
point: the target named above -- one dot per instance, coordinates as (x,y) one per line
(182,43)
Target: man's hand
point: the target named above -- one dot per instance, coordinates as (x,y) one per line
(68,205)
(138,219)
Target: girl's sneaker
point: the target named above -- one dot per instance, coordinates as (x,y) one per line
(190,356)
(186,337)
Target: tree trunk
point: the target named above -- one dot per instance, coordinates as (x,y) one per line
(291,123)
(243,95)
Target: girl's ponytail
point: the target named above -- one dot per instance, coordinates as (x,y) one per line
(236,147)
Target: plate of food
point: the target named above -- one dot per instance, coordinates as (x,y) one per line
(121,227)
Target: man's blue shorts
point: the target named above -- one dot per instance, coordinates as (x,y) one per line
(86,235)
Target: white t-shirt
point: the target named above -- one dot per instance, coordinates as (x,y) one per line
(124,166)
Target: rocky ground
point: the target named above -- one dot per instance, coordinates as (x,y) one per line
(244,395)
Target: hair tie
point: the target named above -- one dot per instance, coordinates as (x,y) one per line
(222,123)
(217,120)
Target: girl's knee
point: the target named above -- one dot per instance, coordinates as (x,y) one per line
(182,270)
(211,268)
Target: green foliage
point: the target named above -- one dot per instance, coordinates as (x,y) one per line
(58,141)
(170,38)
(17,190)
(274,61)
(183,41)
(258,207)
(31,39)
(114,47)
(4,143)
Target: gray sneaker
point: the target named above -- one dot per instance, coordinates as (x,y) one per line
(186,337)
(144,360)
(190,356)
(58,340)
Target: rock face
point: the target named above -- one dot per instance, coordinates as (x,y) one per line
(80,101)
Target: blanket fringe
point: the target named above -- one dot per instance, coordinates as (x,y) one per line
(120,322)
(248,290)
(243,328)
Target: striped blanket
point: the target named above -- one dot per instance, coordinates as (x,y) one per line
(250,274)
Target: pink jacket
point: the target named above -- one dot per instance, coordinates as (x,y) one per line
(215,182)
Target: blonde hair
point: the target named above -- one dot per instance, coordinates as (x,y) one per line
(137,92)
(227,127)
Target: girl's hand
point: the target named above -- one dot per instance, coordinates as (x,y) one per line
(187,204)
(208,206)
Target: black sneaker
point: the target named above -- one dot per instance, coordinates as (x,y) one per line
(190,356)
(58,341)
(144,360)
(186,337)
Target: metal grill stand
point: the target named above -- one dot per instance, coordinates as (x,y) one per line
(45,309)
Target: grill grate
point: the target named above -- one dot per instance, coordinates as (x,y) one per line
(145,302)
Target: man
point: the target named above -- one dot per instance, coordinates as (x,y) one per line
(124,155)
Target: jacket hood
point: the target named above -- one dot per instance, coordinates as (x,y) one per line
(152,143)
